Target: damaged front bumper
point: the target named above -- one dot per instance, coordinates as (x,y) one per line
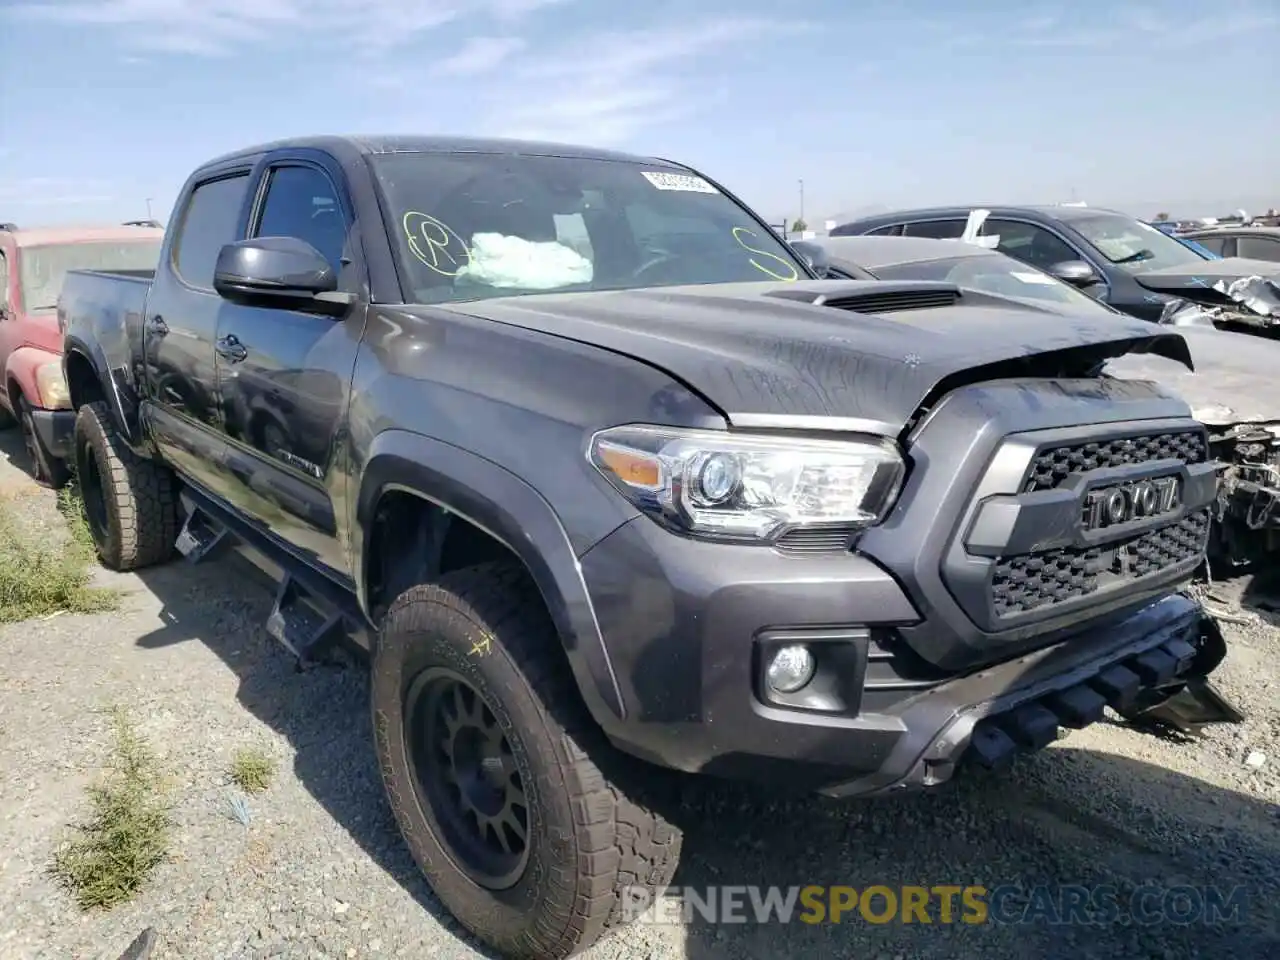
(1250,301)
(1158,679)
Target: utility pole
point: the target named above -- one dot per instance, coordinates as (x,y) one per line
(149,208)
(802,220)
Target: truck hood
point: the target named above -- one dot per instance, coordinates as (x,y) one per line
(873,352)
(1232,381)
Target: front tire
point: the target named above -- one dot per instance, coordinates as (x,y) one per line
(129,501)
(47,469)
(477,721)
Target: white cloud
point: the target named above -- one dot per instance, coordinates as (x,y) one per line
(604,88)
(478,55)
(24,192)
(1142,27)
(587,85)
(1124,29)
(221,27)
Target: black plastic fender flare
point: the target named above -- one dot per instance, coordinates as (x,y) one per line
(92,352)
(512,512)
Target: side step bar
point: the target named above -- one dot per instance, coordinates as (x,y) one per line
(311,615)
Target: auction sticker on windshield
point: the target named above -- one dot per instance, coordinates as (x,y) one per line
(678,181)
(1041,278)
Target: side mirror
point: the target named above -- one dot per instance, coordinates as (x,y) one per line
(1075,272)
(814,256)
(280,272)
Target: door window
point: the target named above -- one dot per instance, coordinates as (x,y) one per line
(1258,248)
(1029,243)
(1216,244)
(301,202)
(4,282)
(938,229)
(210,222)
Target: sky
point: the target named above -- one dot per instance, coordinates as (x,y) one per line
(1163,105)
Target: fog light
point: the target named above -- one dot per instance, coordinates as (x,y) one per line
(789,669)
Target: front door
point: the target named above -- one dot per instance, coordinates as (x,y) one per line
(284,375)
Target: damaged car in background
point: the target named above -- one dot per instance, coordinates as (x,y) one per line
(1113,257)
(1231,389)
(1227,293)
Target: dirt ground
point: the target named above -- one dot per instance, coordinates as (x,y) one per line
(319,870)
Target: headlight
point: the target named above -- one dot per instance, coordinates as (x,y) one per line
(52,386)
(748,487)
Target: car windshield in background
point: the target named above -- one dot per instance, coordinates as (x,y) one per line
(44,267)
(998,275)
(473,226)
(1134,245)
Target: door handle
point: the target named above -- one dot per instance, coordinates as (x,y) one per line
(157,327)
(230,348)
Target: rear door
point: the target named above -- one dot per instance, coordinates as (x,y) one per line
(283,375)
(181,322)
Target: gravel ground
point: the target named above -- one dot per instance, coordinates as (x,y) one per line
(320,870)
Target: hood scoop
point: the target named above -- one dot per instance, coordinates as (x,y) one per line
(863,296)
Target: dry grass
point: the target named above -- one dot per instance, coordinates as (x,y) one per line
(126,836)
(252,770)
(43,576)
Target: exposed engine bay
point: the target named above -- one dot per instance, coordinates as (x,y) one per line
(1248,507)
(1232,392)
(1246,303)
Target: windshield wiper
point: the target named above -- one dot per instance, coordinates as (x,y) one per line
(1143,254)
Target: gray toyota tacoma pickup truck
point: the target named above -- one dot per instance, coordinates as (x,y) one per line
(604,479)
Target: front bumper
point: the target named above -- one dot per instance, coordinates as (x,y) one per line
(55,429)
(687,624)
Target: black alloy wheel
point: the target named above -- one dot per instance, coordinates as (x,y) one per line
(465,772)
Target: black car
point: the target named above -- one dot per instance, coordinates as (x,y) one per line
(1113,257)
(1239,240)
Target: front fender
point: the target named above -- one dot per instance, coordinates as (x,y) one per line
(20,368)
(510,510)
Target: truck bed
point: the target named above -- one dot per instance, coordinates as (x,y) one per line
(90,294)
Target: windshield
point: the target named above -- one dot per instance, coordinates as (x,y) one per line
(472,226)
(998,275)
(44,267)
(1133,245)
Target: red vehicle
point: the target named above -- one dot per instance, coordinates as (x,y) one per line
(32,266)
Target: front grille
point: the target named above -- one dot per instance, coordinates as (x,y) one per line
(897,300)
(1035,581)
(1054,465)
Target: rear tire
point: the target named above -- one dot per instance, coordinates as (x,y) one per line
(129,501)
(47,469)
(589,846)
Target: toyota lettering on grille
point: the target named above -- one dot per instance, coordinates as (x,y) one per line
(1139,500)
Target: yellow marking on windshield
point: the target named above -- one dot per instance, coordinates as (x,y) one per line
(435,244)
(738,233)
